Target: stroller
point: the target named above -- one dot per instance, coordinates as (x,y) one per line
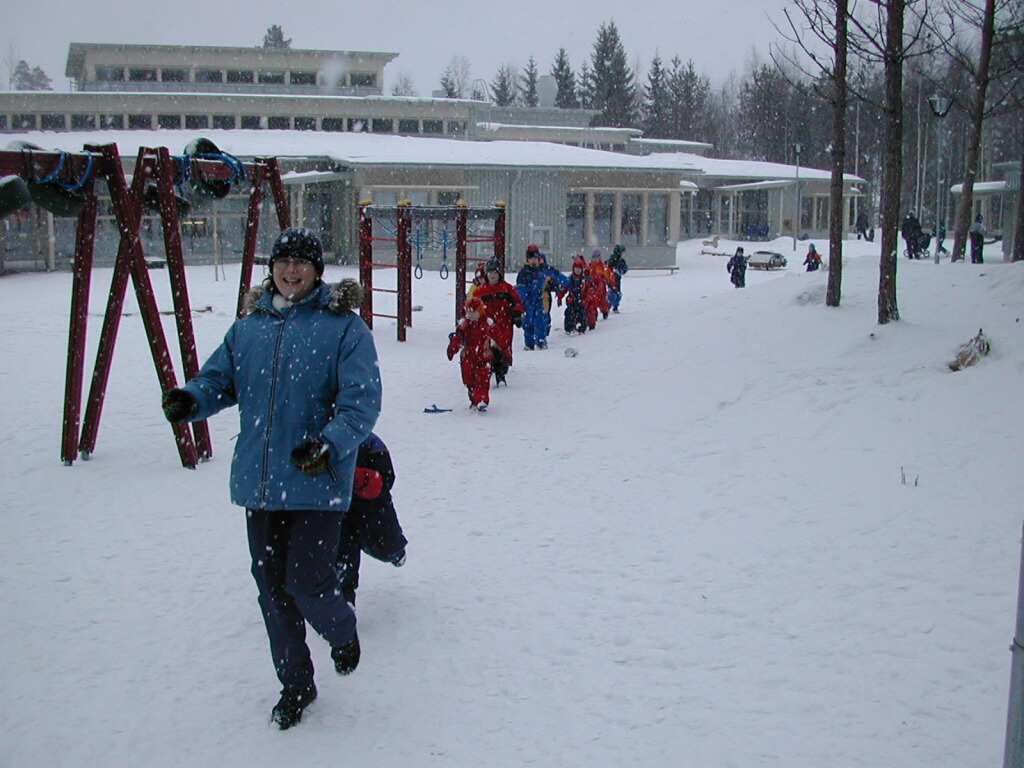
(920,246)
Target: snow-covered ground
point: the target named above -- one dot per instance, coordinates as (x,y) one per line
(689,545)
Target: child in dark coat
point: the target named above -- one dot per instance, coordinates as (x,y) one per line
(371,523)
(618,267)
(474,336)
(575,294)
(737,268)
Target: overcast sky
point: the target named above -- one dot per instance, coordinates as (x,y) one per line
(718,35)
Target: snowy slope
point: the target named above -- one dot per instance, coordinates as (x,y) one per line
(688,545)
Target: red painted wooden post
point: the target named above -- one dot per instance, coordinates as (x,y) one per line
(85,238)
(165,173)
(404,271)
(499,236)
(366,265)
(461,227)
(127,205)
(273,171)
(252,233)
(129,227)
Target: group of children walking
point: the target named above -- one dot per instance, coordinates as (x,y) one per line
(483,337)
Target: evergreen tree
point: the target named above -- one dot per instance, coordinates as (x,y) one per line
(503,88)
(448,84)
(28,78)
(657,103)
(614,91)
(274,38)
(690,102)
(585,87)
(565,82)
(764,98)
(528,84)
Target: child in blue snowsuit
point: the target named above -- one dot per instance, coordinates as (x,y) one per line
(556,283)
(530,284)
(618,265)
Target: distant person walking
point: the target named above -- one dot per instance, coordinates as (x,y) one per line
(737,268)
(977,234)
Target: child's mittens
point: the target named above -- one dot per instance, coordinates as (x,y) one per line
(453,345)
(368,484)
(312,457)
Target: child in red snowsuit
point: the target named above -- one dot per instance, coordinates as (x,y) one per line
(600,278)
(475,337)
(504,307)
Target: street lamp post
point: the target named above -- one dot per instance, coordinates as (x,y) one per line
(796,213)
(940,106)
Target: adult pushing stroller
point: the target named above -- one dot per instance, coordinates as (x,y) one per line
(917,246)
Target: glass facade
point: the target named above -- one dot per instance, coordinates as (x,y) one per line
(604,208)
(630,219)
(657,218)
(576,219)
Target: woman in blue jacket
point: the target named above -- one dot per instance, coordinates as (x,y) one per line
(302,368)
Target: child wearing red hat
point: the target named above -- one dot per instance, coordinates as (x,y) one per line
(474,336)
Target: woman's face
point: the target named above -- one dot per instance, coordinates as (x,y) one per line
(294,278)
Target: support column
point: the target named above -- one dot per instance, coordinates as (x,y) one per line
(645,202)
(617,220)
(674,213)
(588,220)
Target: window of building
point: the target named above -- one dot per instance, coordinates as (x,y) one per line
(358,124)
(604,206)
(821,209)
(363,79)
(23,121)
(197,122)
(383,125)
(305,124)
(209,76)
(703,213)
(240,76)
(251,122)
(3,122)
(806,212)
(173,75)
(753,214)
(170,122)
(630,219)
(333,124)
(448,197)
(433,126)
(224,122)
(575,219)
(457,127)
(142,75)
(112,122)
(140,122)
(278,123)
(110,74)
(271,78)
(303,78)
(657,218)
(686,222)
(52,122)
(408,126)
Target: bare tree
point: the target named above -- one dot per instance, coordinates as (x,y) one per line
(977,62)
(404,85)
(827,21)
(880,36)
(457,76)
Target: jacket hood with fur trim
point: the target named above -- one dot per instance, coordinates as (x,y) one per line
(344,296)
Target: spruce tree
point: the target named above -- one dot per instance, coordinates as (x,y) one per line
(503,87)
(28,78)
(657,103)
(448,85)
(528,84)
(565,82)
(274,38)
(585,87)
(614,91)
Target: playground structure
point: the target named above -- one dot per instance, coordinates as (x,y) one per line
(78,173)
(403,217)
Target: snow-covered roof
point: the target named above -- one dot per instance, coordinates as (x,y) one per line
(680,143)
(563,128)
(982,187)
(370,149)
(750,170)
